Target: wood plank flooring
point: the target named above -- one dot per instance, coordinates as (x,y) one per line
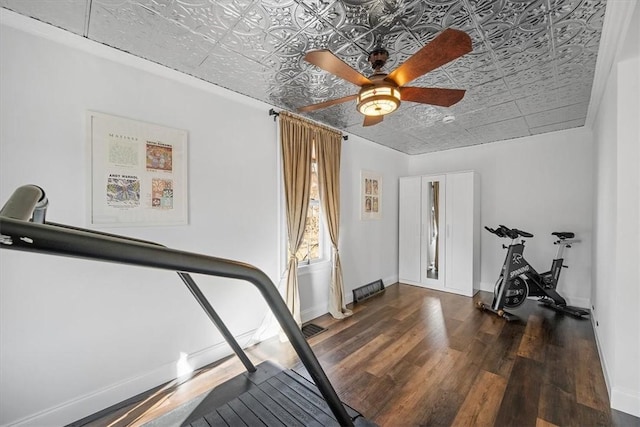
(415,357)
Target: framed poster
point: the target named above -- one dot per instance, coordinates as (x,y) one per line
(370,195)
(138,172)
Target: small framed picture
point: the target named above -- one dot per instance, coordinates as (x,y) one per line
(371,195)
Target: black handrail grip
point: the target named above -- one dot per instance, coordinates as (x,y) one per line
(26,202)
(72,242)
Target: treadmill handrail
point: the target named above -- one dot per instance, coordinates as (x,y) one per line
(47,238)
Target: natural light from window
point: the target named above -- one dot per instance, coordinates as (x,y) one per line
(310,249)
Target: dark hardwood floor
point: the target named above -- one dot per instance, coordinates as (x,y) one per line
(415,357)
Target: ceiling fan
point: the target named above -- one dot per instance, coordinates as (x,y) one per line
(381,93)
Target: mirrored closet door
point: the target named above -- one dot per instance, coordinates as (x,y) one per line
(433,230)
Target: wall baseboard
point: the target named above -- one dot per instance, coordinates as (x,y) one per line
(313,312)
(625,400)
(388,281)
(579,301)
(621,399)
(322,309)
(487,286)
(91,403)
(603,360)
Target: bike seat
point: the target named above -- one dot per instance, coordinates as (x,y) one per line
(564,234)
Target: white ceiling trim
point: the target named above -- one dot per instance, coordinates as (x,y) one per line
(617,19)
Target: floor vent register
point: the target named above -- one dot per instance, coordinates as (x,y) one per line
(368,291)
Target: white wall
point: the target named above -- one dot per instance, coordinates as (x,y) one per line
(616,272)
(369,247)
(79,336)
(539,184)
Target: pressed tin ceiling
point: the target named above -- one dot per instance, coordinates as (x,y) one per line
(530,71)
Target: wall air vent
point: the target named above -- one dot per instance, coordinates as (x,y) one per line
(367,291)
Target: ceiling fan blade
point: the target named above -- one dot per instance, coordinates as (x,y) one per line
(431,95)
(326,104)
(447,46)
(329,62)
(372,120)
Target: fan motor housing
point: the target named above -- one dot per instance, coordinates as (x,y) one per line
(378,58)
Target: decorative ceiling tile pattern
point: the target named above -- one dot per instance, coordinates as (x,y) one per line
(530,71)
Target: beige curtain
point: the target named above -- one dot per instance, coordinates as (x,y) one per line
(296,137)
(328,146)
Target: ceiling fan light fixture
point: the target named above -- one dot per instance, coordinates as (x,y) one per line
(378,100)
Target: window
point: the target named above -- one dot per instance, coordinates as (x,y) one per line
(311,247)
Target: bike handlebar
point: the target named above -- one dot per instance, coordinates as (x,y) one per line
(506,232)
(565,237)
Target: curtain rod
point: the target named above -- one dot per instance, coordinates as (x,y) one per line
(275,114)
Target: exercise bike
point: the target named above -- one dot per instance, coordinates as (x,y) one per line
(518,279)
